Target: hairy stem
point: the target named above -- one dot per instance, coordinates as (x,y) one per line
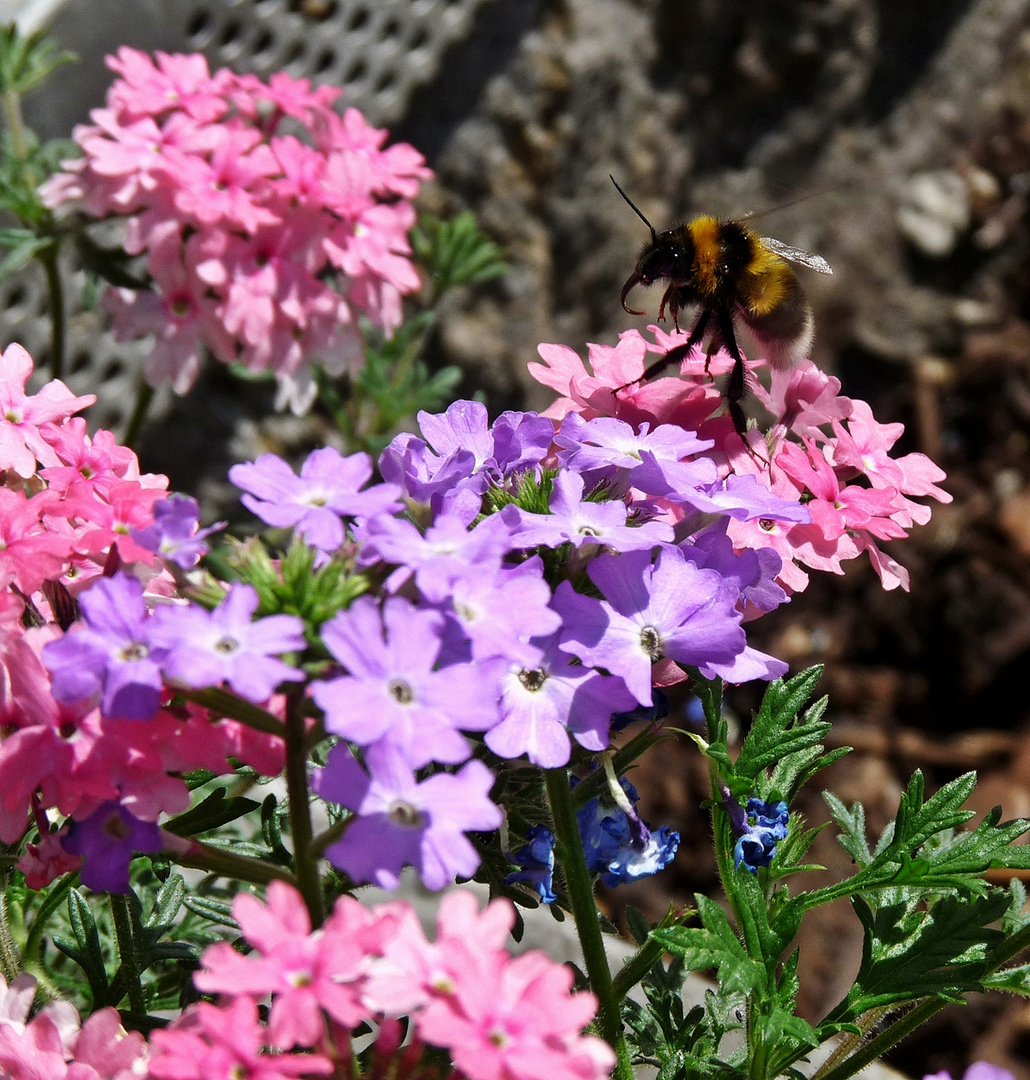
(569,852)
(305,862)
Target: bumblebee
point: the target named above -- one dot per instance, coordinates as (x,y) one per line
(732,277)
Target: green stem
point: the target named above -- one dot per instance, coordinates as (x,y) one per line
(48,258)
(144,396)
(636,967)
(213,860)
(10,962)
(305,863)
(128,953)
(229,705)
(15,124)
(580,886)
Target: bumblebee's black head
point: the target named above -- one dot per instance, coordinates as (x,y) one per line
(669,255)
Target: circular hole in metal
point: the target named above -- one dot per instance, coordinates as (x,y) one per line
(297,51)
(384,82)
(357,18)
(79,361)
(391,29)
(230,33)
(357,70)
(324,61)
(263,44)
(112,370)
(15,298)
(199,27)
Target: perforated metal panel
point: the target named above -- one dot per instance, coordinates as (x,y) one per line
(380,51)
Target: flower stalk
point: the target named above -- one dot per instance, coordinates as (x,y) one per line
(578,882)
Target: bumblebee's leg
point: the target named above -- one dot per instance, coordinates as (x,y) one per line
(737,385)
(674,307)
(678,352)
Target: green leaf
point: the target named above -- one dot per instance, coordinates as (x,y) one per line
(25,62)
(214,811)
(715,945)
(780,739)
(86,952)
(1014,980)
(24,252)
(913,951)
(215,911)
(166,904)
(455,252)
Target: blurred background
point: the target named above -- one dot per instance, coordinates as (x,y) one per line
(892,138)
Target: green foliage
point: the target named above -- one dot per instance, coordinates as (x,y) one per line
(455,252)
(26,62)
(934,929)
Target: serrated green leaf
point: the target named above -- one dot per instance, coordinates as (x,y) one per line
(1013,980)
(715,945)
(912,951)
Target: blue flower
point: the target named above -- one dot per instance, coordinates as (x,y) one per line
(536,857)
(765,824)
(621,847)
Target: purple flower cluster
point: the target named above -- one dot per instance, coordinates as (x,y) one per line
(529,589)
(122,655)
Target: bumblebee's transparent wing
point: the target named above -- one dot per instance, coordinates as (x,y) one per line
(796,255)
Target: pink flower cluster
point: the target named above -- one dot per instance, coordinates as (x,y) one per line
(69,508)
(499,1018)
(246,198)
(822,450)
(54,1045)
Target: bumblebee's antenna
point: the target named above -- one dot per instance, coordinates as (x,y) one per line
(634,207)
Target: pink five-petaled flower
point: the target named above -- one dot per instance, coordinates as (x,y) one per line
(53,1046)
(212,1043)
(21,444)
(304,972)
(506,1019)
(207,648)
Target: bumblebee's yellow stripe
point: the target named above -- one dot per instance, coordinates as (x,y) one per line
(767,282)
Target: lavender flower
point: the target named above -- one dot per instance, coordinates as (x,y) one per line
(448,551)
(175,535)
(107,840)
(541,705)
(111,654)
(672,609)
(313,503)
(207,648)
(401,822)
(498,614)
(392,692)
(576,521)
